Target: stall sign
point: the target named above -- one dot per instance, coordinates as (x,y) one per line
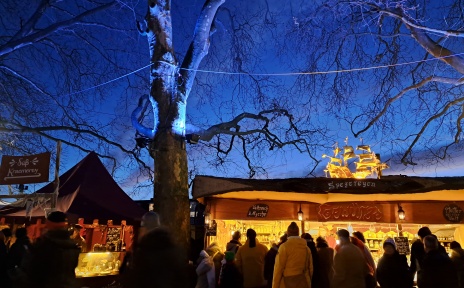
(402,245)
(258,211)
(211,230)
(349,212)
(113,234)
(453,213)
(25,169)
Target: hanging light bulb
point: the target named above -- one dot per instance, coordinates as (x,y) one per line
(300,214)
(401,214)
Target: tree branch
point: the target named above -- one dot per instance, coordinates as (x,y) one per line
(424,127)
(399,95)
(30,39)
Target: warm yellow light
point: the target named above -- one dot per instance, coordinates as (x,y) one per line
(401,214)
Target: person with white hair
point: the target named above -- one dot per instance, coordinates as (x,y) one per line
(437,268)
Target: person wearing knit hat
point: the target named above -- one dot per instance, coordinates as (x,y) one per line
(294,262)
(392,269)
(389,241)
(54,253)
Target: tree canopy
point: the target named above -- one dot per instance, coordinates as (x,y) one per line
(297,76)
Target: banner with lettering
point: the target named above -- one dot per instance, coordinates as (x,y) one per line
(25,169)
(350,211)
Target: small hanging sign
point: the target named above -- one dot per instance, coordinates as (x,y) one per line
(211,230)
(453,213)
(258,211)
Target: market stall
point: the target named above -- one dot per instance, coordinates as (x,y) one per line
(91,198)
(325,205)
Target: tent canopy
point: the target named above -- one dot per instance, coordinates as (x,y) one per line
(325,190)
(86,191)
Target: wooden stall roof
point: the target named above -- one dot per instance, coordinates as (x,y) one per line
(324,190)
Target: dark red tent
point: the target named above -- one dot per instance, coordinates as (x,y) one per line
(86,191)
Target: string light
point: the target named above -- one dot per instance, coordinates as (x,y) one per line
(268,74)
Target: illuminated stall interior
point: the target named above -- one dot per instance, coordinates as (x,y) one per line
(379,207)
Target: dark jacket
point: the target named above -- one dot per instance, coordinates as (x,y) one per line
(52,262)
(393,271)
(437,271)
(17,251)
(230,276)
(417,256)
(316,278)
(269,261)
(4,279)
(457,256)
(325,255)
(233,246)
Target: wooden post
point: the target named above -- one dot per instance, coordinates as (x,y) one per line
(57,176)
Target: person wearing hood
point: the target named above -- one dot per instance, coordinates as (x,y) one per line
(206,273)
(293,266)
(53,257)
(250,261)
(457,256)
(393,269)
(269,260)
(234,244)
(215,253)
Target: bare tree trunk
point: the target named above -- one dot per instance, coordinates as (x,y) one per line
(171,185)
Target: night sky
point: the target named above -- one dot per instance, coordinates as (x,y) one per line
(333,66)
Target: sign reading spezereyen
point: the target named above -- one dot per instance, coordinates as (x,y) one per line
(25,169)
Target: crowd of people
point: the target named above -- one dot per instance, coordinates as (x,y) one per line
(296,261)
(299,261)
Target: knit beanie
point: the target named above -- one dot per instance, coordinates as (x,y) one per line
(389,241)
(293,229)
(56,220)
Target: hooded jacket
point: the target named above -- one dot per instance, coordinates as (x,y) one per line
(293,258)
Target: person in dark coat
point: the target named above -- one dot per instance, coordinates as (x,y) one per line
(53,258)
(393,269)
(269,260)
(315,280)
(230,277)
(157,262)
(4,279)
(437,269)
(234,244)
(20,247)
(457,256)
(418,252)
(325,255)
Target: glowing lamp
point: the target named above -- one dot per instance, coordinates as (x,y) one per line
(300,214)
(401,214)
(207,218)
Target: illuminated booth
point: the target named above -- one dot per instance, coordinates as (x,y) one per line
(90,197)
(387,206)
